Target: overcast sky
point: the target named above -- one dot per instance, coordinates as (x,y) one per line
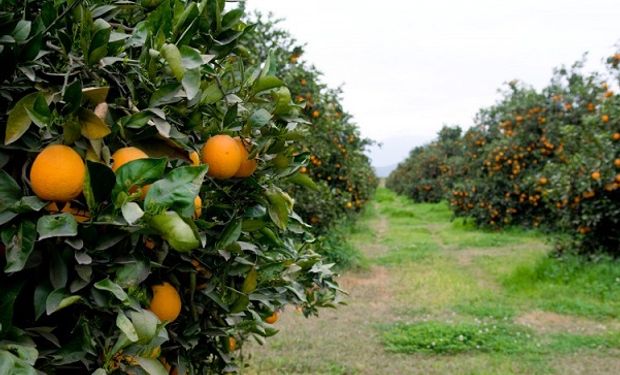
(410,66)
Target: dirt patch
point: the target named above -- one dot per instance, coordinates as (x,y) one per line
(581,363)
(466,256)
(548,322)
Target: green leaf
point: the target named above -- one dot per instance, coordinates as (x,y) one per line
(92,127)
(10,291)
(145,324)
(231,18)
(39,113)
(212,94)
(266,83)
(58,270)
(132,274)
(19,121)
(190,57)
(71,130)
(40,297)
(303,180)
(172,55)
(137,173)
(12,365)
(131,212)
(10,192)
(176,191)
(165,94)
(152,366)
(98,184)
(99,43)
(125,325)
(19,246)
(58,300)
(180,234)
(250,282)
(279,207)
(240,304)
(112,287)
(73,96)
(29,203)
(260,118)
(230,234)
(22,30)
(283,101)
(95,95)
(60,225)
(191,83)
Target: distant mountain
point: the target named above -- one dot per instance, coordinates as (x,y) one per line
(385,170)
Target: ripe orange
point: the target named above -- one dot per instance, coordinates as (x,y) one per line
(596,175)
(316,114)
(616,137)
(232,344)
(166,302)
(605,118)
(543,180)
(617,163)
(57,173)
(248,166)
(197,207)
(125,155)
(273,318)
(223,155)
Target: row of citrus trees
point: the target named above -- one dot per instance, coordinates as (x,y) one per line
(150,167)
(545,158)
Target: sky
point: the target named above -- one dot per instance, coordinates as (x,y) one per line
(408,66)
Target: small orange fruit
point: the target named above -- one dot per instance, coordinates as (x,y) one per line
(596,175)
(543,180)
(197,207)
(223,155)
(57,173)
(273,318)
(195,158)
(125,155)
(617,163)
(605,118)
(248,166)
(166,302)
(616,136)
(316,114)
(232,344)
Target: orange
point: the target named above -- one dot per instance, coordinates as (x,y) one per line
(543,180)
(197,207)
(125,155)
(166,302)
(232,344)
(57,173)
(248,166)
(80,216)
(596,176)
(605,118)
(273,318)
(195,158)
(616,137)
(316,114)
(617,163)
(223,155)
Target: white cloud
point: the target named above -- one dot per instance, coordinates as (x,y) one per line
(408,67)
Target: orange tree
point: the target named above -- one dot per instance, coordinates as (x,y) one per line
(426,175)
(143,223)
(332,148)
(547,158)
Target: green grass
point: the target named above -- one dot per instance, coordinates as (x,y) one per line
(569,285)
(440,296)
(453,338)
(488,337)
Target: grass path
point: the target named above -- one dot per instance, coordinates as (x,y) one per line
(440,297)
